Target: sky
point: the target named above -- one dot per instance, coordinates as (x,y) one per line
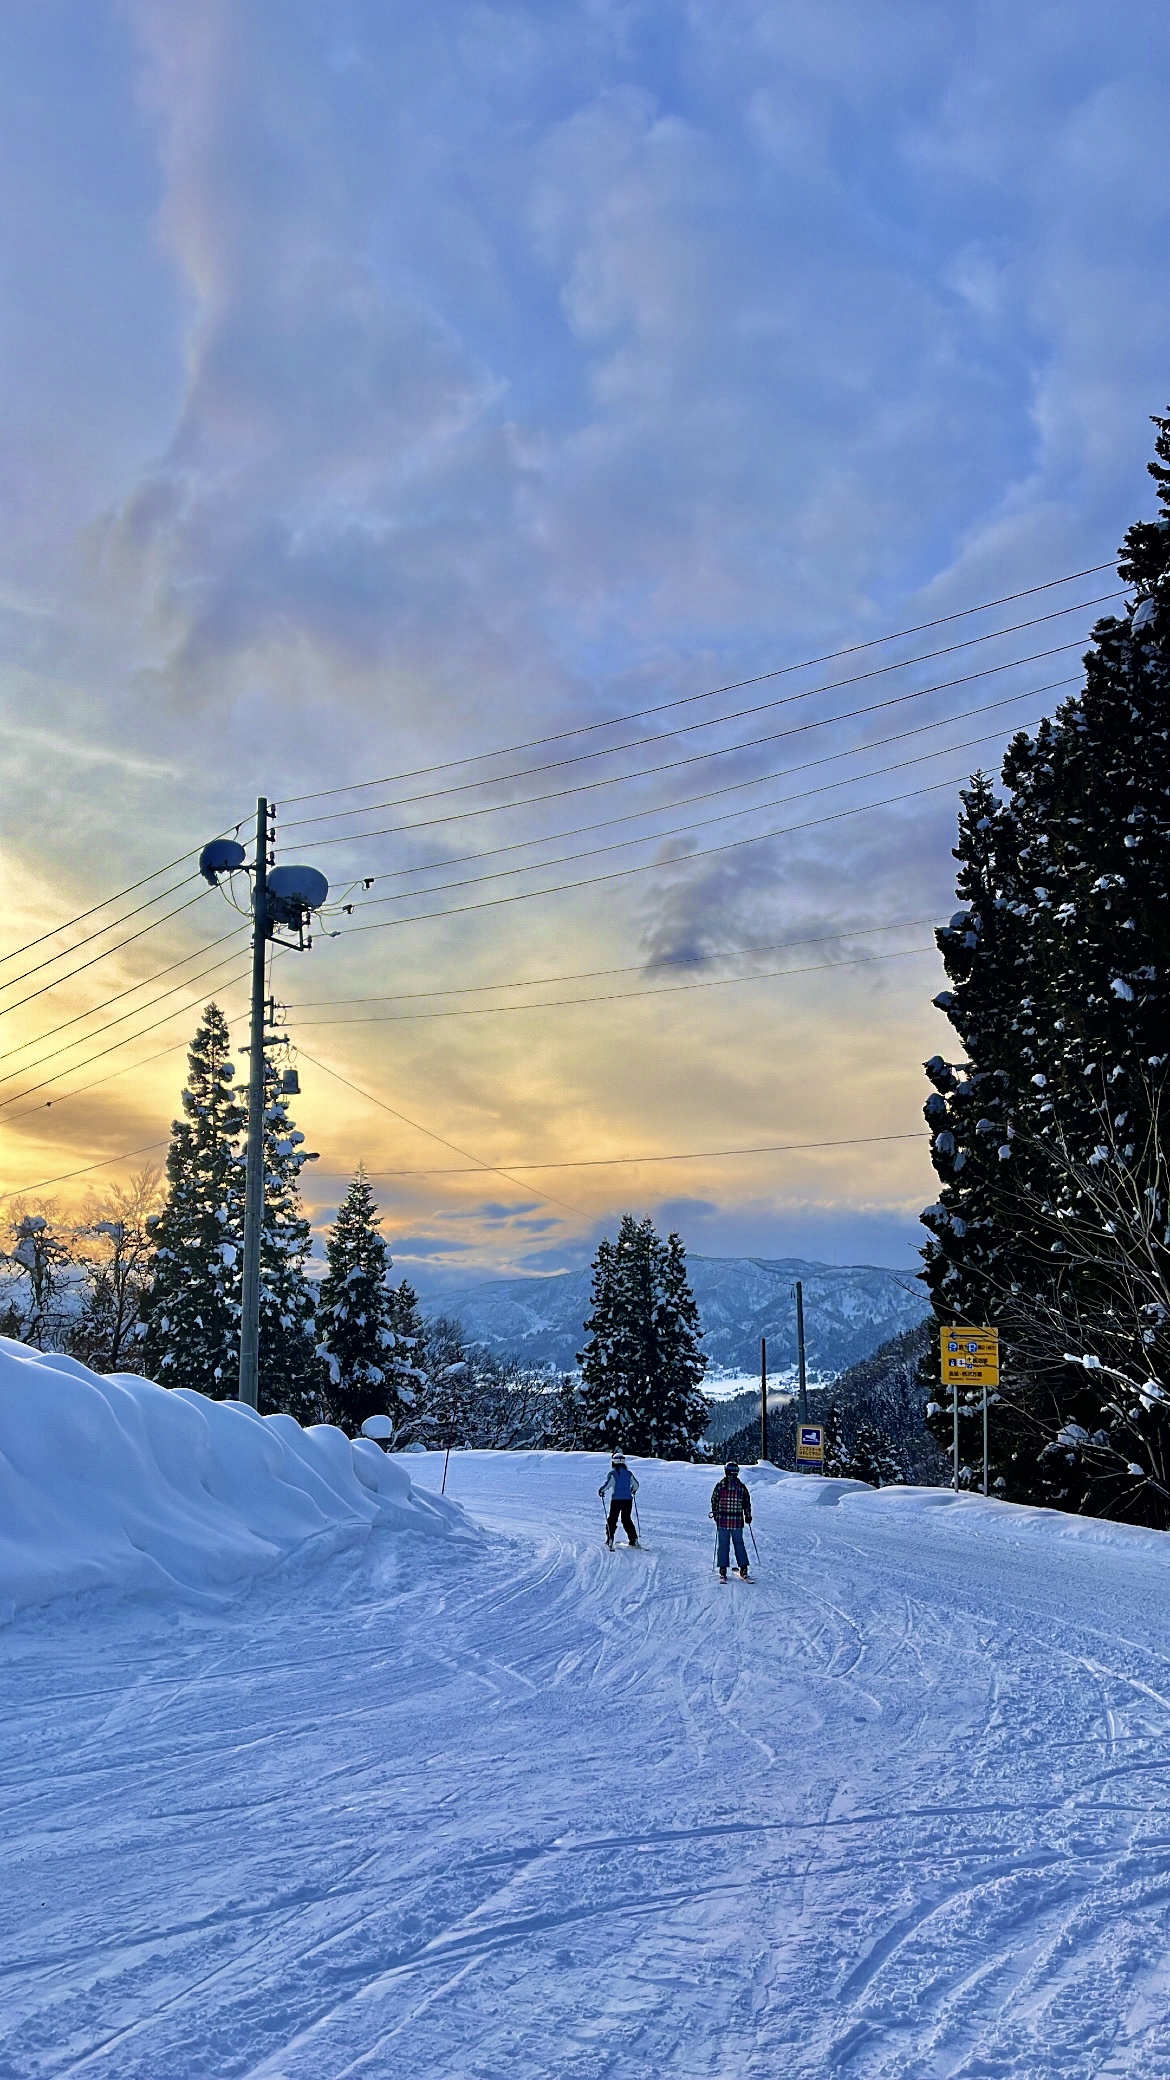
(397,404)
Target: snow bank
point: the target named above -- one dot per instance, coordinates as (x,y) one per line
(119,1484)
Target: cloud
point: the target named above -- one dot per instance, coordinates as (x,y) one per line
(414,381)
(426,1246)
(675,1212)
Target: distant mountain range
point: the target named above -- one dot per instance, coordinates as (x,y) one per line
(849,1309)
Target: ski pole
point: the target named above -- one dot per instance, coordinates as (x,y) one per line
(755,1547)
(637,1520)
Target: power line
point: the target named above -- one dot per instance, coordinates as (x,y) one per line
(38,968)
(711,692)
(796,729)
(691,758)
(721,816)
(672,960)
(133,887)
(21,1190)
(578,758)
(693,1155)
(84,1040)
(678,830)
(685,859)
(99,1082)
(79,1017)
(107,955)
(626,996)
(126,1041)
(478,1165)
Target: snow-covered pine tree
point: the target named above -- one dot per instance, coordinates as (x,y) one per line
(1078,874)
(447,1413)
(873,1459)
(191,1307)
(983,1105)
(563,1431)
(292,1376)
(406,1320)
(836,1454)
(642,1368)
(370,1371)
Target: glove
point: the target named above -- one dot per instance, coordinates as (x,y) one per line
(601,1491)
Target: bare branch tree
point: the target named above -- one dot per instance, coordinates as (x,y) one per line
(1087,1342)
(35,1274)
(114,1246)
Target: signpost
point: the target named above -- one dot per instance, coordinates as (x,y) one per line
(970,1358)
(810,1445)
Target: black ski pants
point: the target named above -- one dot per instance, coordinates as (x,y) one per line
(624,1510)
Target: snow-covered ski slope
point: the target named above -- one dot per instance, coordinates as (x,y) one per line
(528,1810)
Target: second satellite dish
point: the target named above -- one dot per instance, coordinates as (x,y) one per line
(305,887)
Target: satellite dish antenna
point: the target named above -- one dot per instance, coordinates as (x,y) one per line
(222,856)
(294,892)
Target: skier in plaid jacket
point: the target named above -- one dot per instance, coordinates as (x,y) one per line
(731,1507)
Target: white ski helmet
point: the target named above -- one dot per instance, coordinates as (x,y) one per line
(619,1458)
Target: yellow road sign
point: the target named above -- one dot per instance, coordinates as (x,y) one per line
(970,1357)
(810,1443)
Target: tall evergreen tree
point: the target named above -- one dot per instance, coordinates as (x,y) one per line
(836,1454)
(872,1458)
(191,1308)
(292,1375)
(369,1356)
(642,1368)
(446,1414)
(1049,1137)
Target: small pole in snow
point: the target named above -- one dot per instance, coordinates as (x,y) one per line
(801,1372)
(763,1397)
(955,1465)
(446,1463)
(985,1437)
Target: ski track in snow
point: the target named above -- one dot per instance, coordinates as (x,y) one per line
(895,1811)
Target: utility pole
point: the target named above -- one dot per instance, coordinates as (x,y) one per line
(801,1371)
(763,1398)
(254,1172)
(288,896)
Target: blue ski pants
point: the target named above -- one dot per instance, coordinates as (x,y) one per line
(727,1532)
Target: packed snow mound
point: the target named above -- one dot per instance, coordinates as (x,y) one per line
(115,1483)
